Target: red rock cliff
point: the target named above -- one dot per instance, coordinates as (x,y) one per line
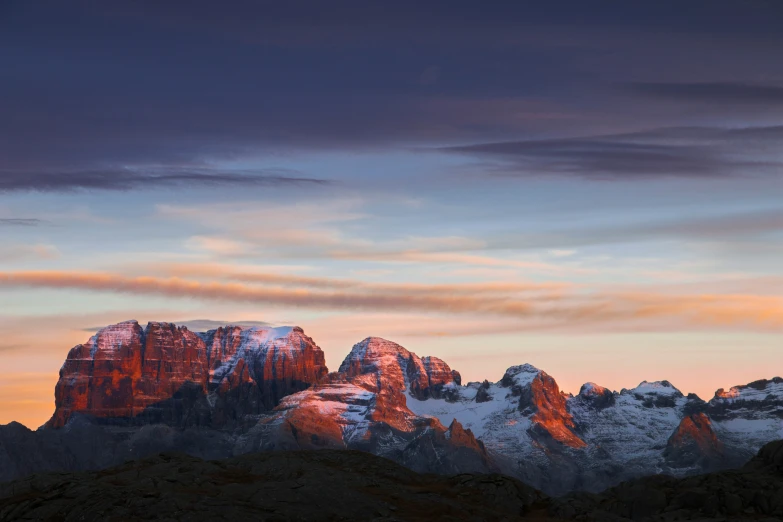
(125,371)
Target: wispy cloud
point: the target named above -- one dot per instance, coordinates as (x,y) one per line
(692,152)
(712,92)
(227,272)
(548,310)
(21,222)
(198,325)
(12,252)
(139,178)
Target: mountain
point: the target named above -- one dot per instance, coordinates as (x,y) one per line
(165,373)
(365,406)
(132,391)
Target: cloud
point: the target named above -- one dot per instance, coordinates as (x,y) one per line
(20,222)
(575,309)
(227,272)
(125,84)
(11,252)
(712,92)
(321,231)
(721,228)
(126,179)
(199,325)
(690,152)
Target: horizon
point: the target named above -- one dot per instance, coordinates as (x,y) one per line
(594,190)
(33,420)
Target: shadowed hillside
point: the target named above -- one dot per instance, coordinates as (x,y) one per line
(352,485)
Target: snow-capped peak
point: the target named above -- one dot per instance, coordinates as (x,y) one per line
(757,390)
(113,337)
(655,388)
(591,389)
(379,347)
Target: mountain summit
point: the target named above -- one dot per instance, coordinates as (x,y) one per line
(166,373)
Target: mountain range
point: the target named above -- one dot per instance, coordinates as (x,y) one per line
(133,391)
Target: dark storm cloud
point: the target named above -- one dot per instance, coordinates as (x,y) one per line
(20,222)
(712,92)
(668,152)
(86,84)
(128,179)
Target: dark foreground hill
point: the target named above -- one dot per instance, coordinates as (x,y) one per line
(351,485)
(300,485)
(753,492)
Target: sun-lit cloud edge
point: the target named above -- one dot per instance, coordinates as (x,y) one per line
(542,309)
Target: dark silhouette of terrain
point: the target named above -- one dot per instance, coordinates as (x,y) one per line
(298,485)
(352,485)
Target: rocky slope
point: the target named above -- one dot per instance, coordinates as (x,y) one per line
(132,391)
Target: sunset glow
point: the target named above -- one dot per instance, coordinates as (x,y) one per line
(602,199)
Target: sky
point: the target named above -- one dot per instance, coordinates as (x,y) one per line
(595,188)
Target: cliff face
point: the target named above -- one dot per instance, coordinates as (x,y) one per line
(395,368)
(694,443)
(364,406)
(165,373)
(540,395)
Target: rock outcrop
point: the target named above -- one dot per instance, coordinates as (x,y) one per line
(164,373)
(694,443)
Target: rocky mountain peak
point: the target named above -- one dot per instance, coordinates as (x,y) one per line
(694,442)
(520,375)
(540,396)
(591,389)
(752,391)
(596,396)
(656,388)
(396,369)
(126,373)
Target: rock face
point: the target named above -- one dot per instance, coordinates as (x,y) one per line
(165,373)
(397,369)
(364,406)
(694,443)
(540,396)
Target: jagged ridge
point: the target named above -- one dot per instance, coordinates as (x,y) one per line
(271,388)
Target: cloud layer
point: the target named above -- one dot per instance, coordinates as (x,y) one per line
(538,310)
(692,152)
(126,179)
(20,222)
(90,90)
